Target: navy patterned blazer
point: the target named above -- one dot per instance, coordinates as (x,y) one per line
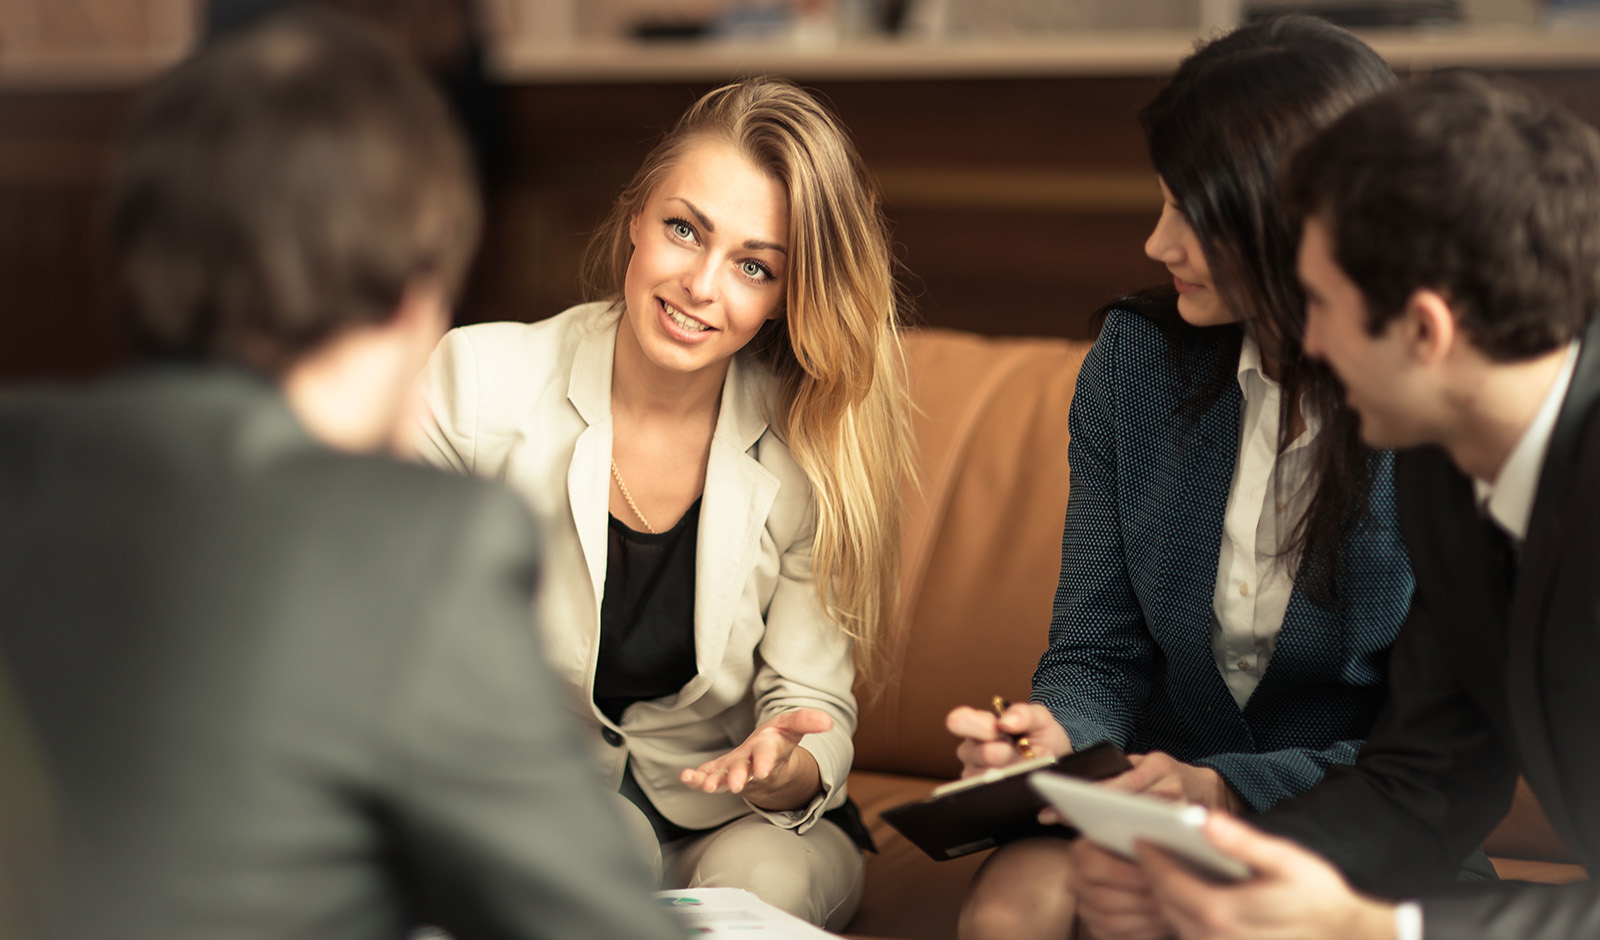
(1130,657)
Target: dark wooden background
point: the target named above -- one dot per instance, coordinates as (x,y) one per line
(1019,205)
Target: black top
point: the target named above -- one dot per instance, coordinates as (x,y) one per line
(646,615)
(647,643)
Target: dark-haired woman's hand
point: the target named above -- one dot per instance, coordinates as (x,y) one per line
(1160,775)
(1114,897)
(989,741)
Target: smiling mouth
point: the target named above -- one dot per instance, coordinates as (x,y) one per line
(683,320)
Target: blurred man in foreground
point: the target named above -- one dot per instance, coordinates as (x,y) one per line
(281,686)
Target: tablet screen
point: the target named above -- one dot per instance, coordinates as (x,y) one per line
(1115,820)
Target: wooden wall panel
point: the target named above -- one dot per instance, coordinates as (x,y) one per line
(1018,206)
(76,26)
(54,151)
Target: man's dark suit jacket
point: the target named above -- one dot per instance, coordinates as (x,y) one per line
(1490,677)
(283,692)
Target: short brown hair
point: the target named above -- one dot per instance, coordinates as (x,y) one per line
(1476,188)
(289,182)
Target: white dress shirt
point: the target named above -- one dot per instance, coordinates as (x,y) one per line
(1267,498)
(1509,497)
(1408,921)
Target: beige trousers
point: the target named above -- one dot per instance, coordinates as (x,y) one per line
(816,877)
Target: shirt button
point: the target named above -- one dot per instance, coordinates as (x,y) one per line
(1243,664)
(1244,589)
(611,736)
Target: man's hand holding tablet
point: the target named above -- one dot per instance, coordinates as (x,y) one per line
(1118,821)
(1290,893)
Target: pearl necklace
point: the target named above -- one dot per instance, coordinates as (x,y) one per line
(616,475)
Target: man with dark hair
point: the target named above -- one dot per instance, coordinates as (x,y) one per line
(280,685)
(1451,259)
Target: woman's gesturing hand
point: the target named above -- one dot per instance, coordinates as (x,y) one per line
(769,769)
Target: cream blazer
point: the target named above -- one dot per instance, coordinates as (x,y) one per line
(530,405)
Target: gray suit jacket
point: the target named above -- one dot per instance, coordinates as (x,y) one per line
(282,692)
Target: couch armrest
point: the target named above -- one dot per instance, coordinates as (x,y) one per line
(1526,834)
(982,545)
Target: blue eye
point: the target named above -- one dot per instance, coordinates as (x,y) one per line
(681,230)
(755,271)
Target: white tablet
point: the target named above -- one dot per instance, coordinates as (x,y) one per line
(1115,821)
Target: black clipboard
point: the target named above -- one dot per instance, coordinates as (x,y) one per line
(996,807)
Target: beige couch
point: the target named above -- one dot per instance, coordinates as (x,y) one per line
(981,556)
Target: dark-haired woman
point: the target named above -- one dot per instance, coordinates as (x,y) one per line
(1231,573)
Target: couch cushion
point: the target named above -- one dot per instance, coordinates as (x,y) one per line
(1550,873)
(908,894)
(1526,833)
(982,546)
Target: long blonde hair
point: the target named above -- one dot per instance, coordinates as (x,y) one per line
(841,404)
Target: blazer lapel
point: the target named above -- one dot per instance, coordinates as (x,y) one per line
(1450,544)
(589,474)
(1540,562)
(1309,642)
(733,513)
(1198,490)
(1454,536)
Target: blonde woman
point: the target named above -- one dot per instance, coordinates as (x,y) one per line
(717,449)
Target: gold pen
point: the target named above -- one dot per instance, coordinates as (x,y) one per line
(1021,740)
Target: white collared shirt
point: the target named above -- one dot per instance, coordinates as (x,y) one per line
(1509,497)
(1267,498)
(1408,921)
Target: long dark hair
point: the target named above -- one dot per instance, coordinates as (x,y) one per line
(1217,134)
